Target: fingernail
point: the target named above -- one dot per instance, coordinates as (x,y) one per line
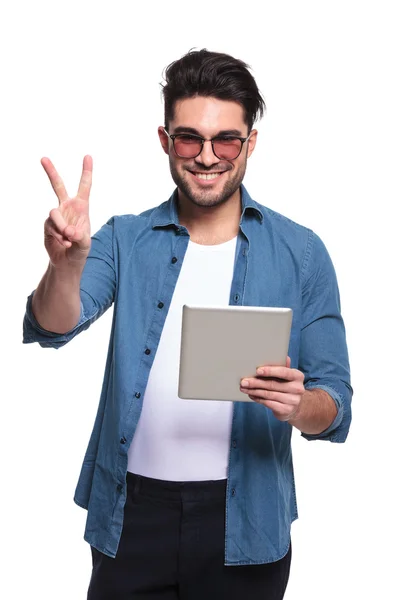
(260,371)
(245,383)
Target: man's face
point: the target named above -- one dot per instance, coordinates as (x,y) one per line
(208,117)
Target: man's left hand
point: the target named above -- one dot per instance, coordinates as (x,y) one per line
(279,388)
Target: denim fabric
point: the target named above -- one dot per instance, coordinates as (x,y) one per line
(134,263)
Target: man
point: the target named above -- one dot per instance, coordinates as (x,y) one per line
(194,499)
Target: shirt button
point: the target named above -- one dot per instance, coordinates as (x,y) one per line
(137,395)
(122,440)
(174,260)
(161,305)
(147,351)
(233,492)
(236,297)
(234,444)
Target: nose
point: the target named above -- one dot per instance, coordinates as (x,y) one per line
(207,156)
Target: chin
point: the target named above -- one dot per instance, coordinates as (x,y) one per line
(207,198)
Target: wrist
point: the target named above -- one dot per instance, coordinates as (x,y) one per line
(66,271)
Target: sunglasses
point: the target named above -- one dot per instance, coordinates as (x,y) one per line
(188,145)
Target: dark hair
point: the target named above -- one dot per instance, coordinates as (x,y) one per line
(204,73)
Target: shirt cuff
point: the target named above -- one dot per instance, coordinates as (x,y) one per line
(33,332)
(328,434)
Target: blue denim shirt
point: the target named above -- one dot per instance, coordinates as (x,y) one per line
(134,263)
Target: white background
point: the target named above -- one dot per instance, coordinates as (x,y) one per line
(83,77)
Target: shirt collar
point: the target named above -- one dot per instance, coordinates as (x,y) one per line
(166,215)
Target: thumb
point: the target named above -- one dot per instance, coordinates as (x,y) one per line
(77,236)
(288,362)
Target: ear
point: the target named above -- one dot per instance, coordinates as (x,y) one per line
(252,142)
(163,139)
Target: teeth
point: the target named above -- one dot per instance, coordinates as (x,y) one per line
(207,175)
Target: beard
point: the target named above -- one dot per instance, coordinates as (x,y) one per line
(206,198)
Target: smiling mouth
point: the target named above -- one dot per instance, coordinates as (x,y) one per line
(207,176)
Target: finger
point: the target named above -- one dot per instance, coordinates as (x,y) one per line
(279,372)
(66,234)
(78,236)
(55,180)
(280,398)
(51,232)
(288,362)
(274,385)
(58,221)
(85,183)
(60,224)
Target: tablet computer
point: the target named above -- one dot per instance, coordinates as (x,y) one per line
(221,345)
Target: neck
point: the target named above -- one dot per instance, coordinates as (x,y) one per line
(210,225)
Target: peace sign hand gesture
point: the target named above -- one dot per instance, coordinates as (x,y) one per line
(67,229)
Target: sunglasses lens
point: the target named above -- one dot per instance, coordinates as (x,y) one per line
(187,146)
(227,149)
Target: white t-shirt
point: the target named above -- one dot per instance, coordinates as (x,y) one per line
(185,440)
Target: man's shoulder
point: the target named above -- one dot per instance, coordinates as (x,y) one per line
(149,213)
(297,239)
(131,220)
(281,224)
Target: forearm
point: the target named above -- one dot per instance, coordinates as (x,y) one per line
(56,302)
(317,410)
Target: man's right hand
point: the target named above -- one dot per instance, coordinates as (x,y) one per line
(67,229)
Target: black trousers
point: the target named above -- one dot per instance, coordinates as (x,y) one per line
(172,547)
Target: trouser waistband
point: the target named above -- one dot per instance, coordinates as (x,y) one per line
(177,490)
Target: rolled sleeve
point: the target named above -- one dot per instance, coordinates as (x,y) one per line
(32,332)
(323,354)
(338,429)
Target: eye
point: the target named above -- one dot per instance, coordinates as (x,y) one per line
(226,139)
(188,139)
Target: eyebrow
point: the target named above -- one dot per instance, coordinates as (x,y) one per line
(183,129)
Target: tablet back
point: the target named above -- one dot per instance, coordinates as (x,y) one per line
(221,345)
